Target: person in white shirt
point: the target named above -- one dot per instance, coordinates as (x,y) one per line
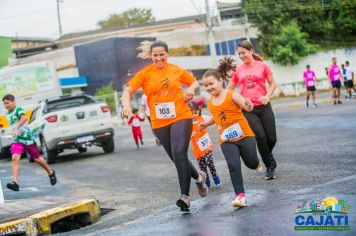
(146,110)
(349,78)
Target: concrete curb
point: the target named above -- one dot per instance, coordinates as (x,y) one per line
(40,223)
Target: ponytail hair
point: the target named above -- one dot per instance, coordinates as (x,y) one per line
(248,45)
(147,46)
(222,71)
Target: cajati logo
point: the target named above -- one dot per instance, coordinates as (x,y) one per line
(327,214)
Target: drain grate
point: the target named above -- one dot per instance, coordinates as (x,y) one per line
(105,211)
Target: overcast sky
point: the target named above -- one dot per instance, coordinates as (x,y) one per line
(39,17)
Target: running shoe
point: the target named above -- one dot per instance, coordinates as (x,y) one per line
(53,178)
(314,105)
(259,168)
(217,180)
(183,203)
(334,102)
(239,200)
(202,188)
(339,102)
(270,174)
(207,182)
(141,142)
(13,186)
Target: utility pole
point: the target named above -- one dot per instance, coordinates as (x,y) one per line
(59,18)
(210,33)
(246,28)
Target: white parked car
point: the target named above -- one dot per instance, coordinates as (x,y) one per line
(72,122)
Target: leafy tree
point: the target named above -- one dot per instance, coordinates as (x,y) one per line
(290,45)
(320,22)
(107,95)
(133,16)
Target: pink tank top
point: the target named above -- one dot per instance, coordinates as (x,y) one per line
(309,78)
(334,73)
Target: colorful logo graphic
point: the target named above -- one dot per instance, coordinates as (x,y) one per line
(327,214)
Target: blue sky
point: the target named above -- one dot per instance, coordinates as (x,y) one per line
(39,17)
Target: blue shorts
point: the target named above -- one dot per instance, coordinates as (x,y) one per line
(336,84)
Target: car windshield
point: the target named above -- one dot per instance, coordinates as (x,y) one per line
(68,103)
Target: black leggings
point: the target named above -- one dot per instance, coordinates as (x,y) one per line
(232,151)
(175,140)
(262,122)
(206,162)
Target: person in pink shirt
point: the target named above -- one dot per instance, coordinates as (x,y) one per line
(310,82)
(335,79)
(251,78)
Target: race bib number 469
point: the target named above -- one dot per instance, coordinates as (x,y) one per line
(165,110)
(231,133)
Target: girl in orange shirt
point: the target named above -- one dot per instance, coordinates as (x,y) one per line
(235,134)
(171,117)
(202,145)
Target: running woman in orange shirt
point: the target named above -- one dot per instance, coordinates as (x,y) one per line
(171,117)
(202,145)
(235,134)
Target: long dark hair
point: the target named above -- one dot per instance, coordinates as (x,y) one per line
(225,66)
(248,45)
(194,106)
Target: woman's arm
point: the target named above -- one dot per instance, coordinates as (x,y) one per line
(126,101)
(189,94)
(272,86)
(22,120)
(244,103)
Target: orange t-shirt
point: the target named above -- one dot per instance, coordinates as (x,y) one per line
(163,88)
(201,141)
(229,119)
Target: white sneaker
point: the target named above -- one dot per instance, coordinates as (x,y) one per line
(239,201)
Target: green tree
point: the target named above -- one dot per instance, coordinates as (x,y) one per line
(322,23)
(133,16)
(107,95)
(290,45)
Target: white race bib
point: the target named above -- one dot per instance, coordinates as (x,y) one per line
(166,110)
(204,142)
(336,77)
(311,83)
(136,122)
(232,132)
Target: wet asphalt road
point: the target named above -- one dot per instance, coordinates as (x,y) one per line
(316,154)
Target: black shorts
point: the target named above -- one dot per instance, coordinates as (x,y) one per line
(311,88)
(349,83)
(336,84)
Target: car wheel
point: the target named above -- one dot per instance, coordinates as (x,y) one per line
(49,155)
(82,149)
(108,145)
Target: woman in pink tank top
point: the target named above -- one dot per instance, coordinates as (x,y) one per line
(251,77)
(335,79)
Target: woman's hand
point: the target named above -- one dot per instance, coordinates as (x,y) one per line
(126,112)
(249,104)
(264,100)
(189,94)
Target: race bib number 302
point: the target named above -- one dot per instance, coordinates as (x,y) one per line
(204,142)
(165,110)
(232,132)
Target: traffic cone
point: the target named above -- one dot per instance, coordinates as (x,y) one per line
(2,200)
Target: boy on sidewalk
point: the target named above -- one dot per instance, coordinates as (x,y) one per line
(22,141)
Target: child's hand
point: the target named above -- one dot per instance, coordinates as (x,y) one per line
(14,133)
(249,104)
(202,126)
